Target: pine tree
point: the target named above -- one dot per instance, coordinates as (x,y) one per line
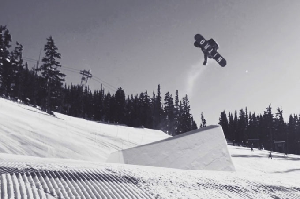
(180,129)
(261,130)
(223,121)
(268,128)
(169,121)
(157,110)
(98,102)
(176,114)
(203,121)
(27,85)
(193,124)
(128,109)
(242,125)
(230,127)
(120,106)
(186,115)
(53,77)
(88,104)
(246,118)
(145,110)
(136,112)
(17,67)
(36,81)
(292,132)
(236,134)
(246,136)
(80,101)
(253,126)
(149,112)
(250,126)
(279,126)
(109,102)
(5,65)
(297,134)
(255,123)
(66,100)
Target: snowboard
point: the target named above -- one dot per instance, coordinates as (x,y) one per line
(212,53)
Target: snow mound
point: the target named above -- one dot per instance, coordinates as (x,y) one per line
(26,130)
(201,149)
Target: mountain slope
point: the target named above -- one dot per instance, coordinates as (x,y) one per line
(28,131)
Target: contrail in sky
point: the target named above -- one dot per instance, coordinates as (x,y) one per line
(194,73)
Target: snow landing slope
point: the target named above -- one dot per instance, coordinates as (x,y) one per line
(35,177)
(204,148)
(26,130)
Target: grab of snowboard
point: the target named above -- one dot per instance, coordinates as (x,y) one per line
(209,49)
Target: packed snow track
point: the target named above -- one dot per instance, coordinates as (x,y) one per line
(21,180)
(18,182)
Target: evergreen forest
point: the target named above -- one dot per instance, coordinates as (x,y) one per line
(43,86)
(265,131)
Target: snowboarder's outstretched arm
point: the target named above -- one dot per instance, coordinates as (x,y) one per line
(196,44)
(205,58)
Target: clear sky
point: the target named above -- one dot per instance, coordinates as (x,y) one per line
(138,44)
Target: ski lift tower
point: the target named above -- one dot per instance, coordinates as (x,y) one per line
(86,74)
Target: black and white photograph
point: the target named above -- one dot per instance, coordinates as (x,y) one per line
(149,99)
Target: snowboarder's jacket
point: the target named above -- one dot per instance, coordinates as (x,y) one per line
(214,45)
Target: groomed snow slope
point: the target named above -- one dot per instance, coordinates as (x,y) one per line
(26,130)
(256,175)
(204,148)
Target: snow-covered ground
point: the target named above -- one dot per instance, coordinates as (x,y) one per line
(63,157)
(28,131)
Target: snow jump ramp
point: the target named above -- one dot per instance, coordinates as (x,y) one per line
(200,149)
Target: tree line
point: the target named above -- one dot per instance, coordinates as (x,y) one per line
(267,130)
(43,86)
(134,110)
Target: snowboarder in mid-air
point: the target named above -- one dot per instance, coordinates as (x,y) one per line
(214,45)
(210,49)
